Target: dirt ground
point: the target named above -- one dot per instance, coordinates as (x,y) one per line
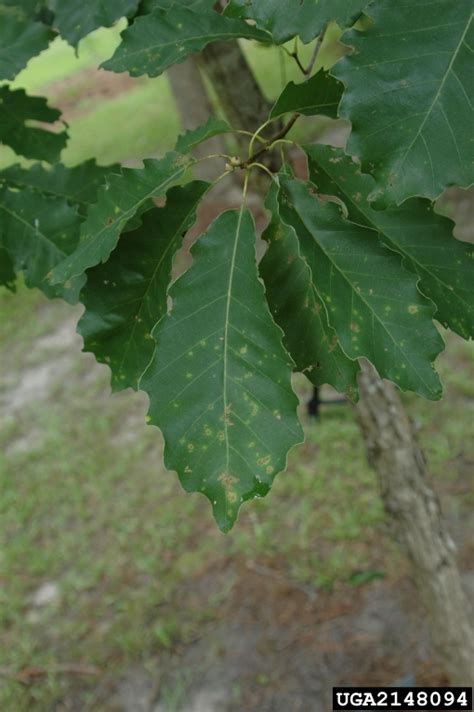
(269,644)
(278,649)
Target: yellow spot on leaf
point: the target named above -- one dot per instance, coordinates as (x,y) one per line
(228,483)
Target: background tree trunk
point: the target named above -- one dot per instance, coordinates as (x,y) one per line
(238,92)
(411,504)
(195,108)
(415,514)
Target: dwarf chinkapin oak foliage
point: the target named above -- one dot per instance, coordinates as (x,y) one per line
(358,264)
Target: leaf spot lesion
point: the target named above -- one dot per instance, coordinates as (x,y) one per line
(228,482)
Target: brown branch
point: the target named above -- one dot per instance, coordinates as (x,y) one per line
(27,675)
(268,144)
(298,61)
(315,54)
(294,55)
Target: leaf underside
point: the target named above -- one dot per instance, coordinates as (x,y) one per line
(220,381)
(409,95)
(125,297)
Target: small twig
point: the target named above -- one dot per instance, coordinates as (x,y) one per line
(224,156)
(294,55)
(268,144)
(262,167)
(298,61)
(249,133)
(315,54)
(28,674)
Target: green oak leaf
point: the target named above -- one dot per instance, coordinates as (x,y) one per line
(119,200)
(165,37)
(79,185)
(38,231)
(188,141)
(30,8)
(20,39)
(220,380)
(75,20)
(125,297)
(299,310)
(286,18)
(372,301)
(17,110)
(409,93)
(7,273)
(320,94)
(425,240)
(147,6)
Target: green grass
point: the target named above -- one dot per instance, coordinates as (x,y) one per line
(60,61)
(87,504)
(146,120)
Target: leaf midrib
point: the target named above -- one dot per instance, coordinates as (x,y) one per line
(226,334)
(437,95)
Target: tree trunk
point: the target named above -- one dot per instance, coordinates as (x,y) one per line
(236,87)
(409,501)
(417,522)
(195,108)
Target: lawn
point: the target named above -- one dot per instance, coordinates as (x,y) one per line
(86,506)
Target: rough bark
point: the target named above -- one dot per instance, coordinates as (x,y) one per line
(415,514)
(411,504)
(242,101)
(236,87)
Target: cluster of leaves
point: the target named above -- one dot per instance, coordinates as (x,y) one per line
(358,264)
